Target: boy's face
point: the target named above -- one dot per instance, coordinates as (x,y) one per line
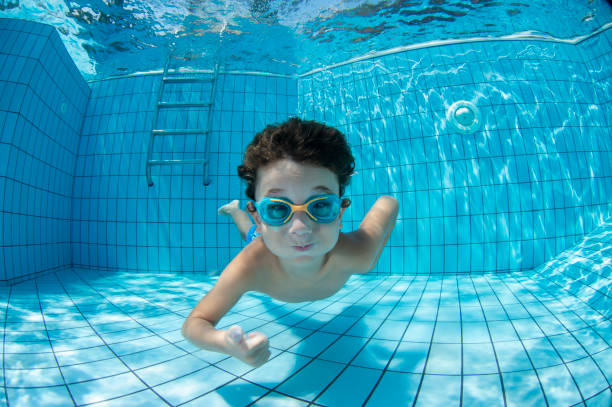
(301,239)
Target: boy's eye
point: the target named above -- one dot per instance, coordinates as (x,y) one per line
(322,208)
(278,210)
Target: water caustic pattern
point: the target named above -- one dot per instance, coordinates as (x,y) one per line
(494,288)
(541,338)
(114,37)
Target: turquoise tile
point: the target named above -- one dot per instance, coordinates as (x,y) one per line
(126,333)
(395,389)
(523,388)
(603,399)
(512,356)
(482,390)
(279,400)
(188,387)
(430,393)
(550,326)
(604,329)
(44,396)
(447,332)
(410,357)
(567,347)
(541,352)
(587,376)
(171,370)
(29,361)
(495,314)
(93,370)
(344,350)
(106,388)
(236,393)
(365,327)
(38,347)
(590,340)
(276,370)
(604,361)
(151,357)
(141,398)
(475,332)
(315,344)
(235,366)
(352,387)
(444,359)
(419,331)
(33,377)
(527,328)
(502,331)
(289,338)
(558,386)
(375,354)
(391,330)
(311,380)
(479,359)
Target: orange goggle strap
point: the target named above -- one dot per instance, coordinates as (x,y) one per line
(346,202)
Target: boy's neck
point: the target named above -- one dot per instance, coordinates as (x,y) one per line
(303,270)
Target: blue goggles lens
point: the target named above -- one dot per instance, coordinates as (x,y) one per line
(278,211)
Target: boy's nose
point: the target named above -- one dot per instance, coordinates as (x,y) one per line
(301,223)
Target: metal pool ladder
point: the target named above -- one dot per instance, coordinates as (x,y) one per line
(179,78)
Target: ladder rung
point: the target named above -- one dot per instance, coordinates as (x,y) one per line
(182,104)
(170,162)
(186,79)
(167,132)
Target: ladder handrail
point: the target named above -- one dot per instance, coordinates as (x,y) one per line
(213,90)
(207,132)
(160,94)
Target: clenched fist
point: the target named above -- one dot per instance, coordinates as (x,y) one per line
(252,349)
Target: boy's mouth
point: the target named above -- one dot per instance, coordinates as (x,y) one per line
(302,248)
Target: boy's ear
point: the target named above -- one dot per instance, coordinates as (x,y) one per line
(251,207)
(345,204)
(253,212)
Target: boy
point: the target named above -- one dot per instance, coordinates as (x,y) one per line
(296,173)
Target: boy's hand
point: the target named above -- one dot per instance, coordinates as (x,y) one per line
(252,349)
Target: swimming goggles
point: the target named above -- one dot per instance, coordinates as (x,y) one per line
(320,208)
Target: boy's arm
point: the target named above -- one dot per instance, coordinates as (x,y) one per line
(373,232)
(199,327)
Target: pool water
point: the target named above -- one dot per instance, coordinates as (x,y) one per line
(114,37)
(494,288)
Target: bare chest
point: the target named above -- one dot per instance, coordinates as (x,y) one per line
(293,289)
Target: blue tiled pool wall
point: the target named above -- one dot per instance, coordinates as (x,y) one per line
(507,198)
(531,183)
(597,53)
(42,103)
(501,199)
(121,222)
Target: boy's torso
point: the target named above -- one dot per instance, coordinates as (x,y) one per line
(271,279)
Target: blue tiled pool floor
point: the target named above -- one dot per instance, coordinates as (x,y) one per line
(542,337)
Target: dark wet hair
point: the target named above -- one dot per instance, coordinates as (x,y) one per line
(302,141)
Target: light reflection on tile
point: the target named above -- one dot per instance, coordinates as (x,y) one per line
(384,344)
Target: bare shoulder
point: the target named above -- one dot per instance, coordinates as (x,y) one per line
(351,253)
(250,263)
(361,248)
